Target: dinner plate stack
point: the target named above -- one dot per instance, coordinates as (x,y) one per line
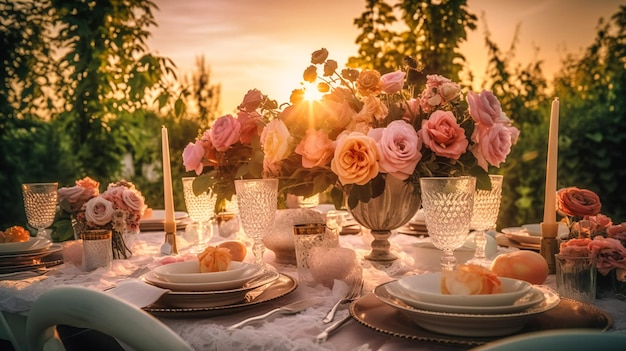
(191,289)
(528,236)
(156,221)
(419,297)
(27,255)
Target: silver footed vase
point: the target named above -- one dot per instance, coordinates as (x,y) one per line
(391,210)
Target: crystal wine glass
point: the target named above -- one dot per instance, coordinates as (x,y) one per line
(484,216)
(40,202)
(257,201)
(448,204)
(201,209)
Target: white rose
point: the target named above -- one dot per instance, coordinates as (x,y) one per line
(99,211)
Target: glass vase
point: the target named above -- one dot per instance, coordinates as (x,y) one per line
(576,278)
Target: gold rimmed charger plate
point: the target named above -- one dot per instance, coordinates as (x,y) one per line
(19,259)
(375,314)
(282,286)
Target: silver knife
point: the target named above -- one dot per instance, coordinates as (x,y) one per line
(291,308)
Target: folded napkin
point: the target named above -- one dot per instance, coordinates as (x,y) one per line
(137,292)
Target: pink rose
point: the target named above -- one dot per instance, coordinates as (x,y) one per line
(339,114)
(393,81)
(72,199)
(192,157)
(617,231)
(398,147)
(134,200)
(316,149)
(609,253)
(575,247)
(356,159)
(438,90)
(99,211)
(225,132)
(251,101)
(484,108)
(250,126)
(443,135)
(492,144)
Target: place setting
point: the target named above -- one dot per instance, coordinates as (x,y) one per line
(31,254)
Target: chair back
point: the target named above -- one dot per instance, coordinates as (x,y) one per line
(87,308)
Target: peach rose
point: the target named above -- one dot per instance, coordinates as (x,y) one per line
(329,68)
(192,157)
(310,74)
(88,183)
(609,253)
(575,247)
(225,132)
(251,101)
(275,140)
(319,56)
(398,147)
(578,202)
(373,107)
(316,148)
(443,135)
(340,114)
(492,144)
(99,210)
(356,159)
(393,81)
(369,83)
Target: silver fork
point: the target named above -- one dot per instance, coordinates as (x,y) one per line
(354,292)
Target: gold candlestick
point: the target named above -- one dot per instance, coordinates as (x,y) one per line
(549,244)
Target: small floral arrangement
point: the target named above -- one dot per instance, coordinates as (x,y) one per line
(119,208)
(592,234)
(366,127)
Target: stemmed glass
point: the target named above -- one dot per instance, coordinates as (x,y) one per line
(257,201)
(448,203)
(40,202)
(484,217)
(201,210)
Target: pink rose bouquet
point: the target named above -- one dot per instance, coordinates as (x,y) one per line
(119,208)
(592,234)
(366,127)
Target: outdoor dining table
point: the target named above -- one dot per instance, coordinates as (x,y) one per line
(209,330)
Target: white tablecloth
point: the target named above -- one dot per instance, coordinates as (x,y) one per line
(292,332)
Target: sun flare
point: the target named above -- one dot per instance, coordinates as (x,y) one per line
(312,94)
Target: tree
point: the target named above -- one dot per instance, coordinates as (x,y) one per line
(591,139)
(106,78)
(204,95)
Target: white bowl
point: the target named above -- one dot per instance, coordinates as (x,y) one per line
(427,288)
(189,272)
(532,298)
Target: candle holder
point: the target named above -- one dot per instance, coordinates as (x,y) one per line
(549,244)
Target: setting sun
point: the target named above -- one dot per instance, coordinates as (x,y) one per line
(312,94)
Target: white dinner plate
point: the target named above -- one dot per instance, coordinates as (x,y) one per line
(214,298)
(13,258)
(32,245)
(188,272)
(251,276)
(532,298)
(470,324)
(427,288)
(530,233)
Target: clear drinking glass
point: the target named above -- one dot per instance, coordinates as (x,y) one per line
(201,210)
(448,204)
(257,201)
(40,202)
(484,217)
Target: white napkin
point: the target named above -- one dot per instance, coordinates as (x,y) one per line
(137,292)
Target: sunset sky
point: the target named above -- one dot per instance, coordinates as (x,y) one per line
(266,44)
